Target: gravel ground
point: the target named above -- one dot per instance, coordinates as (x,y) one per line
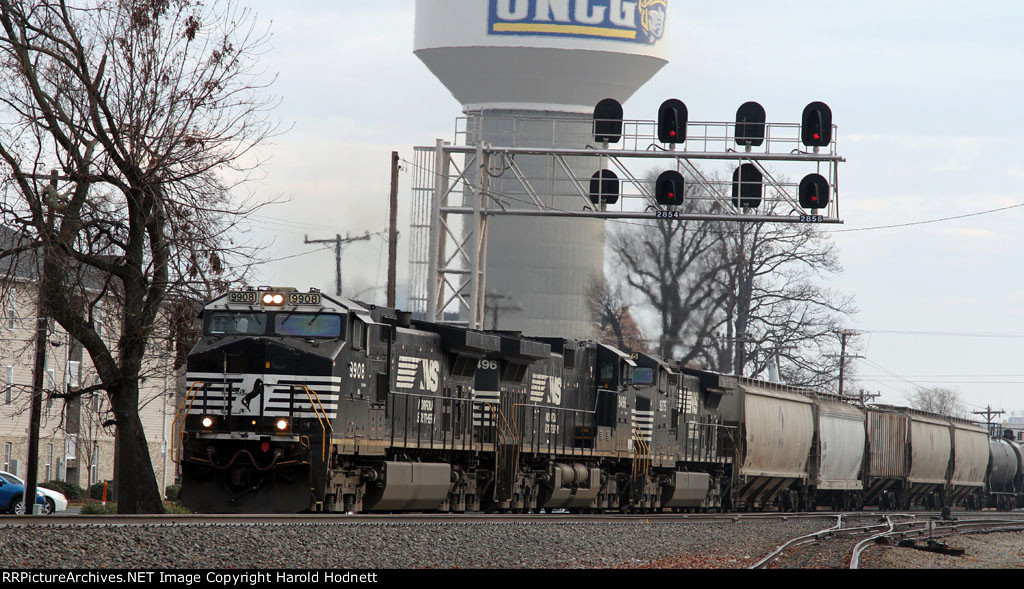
(634,544)
(982,551)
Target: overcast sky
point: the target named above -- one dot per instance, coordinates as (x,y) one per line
(925,96)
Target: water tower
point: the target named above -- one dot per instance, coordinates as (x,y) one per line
(528,74)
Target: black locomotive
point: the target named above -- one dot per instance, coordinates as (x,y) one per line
(297,401)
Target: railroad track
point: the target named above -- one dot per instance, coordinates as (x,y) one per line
(320,518)
(324,519)
(891,529)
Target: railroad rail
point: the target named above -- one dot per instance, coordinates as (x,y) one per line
(935,529)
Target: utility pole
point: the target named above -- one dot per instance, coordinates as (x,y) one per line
(989,414)
(866,396)
(393,231)
(843,335)
(42,331)
(493,302)
(338,241)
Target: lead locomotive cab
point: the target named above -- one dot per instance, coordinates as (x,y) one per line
(254,429)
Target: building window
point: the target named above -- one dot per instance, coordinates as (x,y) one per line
(70,444)
(8,449)
(10,309)
(75,374)
(94,466)
(48,468)
(9,386)
(97,397)
(97,320)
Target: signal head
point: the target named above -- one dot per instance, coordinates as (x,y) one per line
(670,188)
(750,121)
(816,125)
(608,121)
(747,183)
(672,119)
(814,192)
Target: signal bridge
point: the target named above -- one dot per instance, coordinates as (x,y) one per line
(739,171)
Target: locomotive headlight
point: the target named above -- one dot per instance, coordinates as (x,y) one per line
(281,424)
(207,422)
(273,298)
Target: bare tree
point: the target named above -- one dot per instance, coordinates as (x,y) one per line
(774,305)
(148,111)
(609,309)
(736,296)
(670,264)
(938,400)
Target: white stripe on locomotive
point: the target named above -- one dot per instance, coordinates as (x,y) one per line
(282,394)
(483,415)
(409,368)
(644,422)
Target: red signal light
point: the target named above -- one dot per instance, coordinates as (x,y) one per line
(265,447)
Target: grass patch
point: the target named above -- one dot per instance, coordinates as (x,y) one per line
(97,508)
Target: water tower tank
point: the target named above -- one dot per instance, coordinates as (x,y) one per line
(528,73)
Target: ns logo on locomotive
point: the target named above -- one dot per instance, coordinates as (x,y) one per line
(636,21)
(298,401)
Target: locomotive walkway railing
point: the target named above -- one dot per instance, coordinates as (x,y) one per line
(179,429)
(641,454)
(321,416)
(406,426)
(552,429)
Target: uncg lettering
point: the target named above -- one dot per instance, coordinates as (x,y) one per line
(617,13)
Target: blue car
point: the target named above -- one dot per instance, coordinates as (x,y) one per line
(12,497)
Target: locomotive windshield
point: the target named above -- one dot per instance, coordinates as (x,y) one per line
(303,325)
(309,325)
(232,323)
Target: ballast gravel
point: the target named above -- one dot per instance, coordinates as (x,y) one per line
(461,545)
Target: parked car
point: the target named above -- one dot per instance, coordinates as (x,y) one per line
(12,489)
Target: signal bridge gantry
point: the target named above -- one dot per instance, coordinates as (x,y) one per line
(739,171)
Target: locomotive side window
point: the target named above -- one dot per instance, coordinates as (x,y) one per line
(569,356)
(229,323)
(308,325)
(642,376)
(358,334)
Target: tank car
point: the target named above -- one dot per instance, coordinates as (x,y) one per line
(1005,478)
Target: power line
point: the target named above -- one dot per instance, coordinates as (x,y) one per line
(262,262)
(914,223)
(949,333)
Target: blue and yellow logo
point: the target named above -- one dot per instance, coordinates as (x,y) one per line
(635,21)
